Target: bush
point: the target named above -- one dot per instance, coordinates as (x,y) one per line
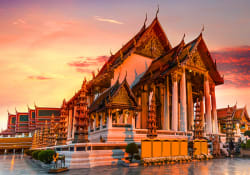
(46,156)
(247,133)
(248,144)
(28,152)
(132,148)
(35,154)
(243,145)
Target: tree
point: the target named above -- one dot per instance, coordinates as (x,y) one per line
(247,133)
(132,148)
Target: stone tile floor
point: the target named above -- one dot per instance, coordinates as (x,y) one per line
(16,164)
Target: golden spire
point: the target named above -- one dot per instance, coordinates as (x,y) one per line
(145,20)
(158,9)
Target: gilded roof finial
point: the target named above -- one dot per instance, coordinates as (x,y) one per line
(158,9)
(145,20)
(202,30)
(93,74)
(183,37)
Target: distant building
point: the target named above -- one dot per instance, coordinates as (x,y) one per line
(238,116)
(24,123)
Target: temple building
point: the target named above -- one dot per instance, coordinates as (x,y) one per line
(147,84)
(238,118)
(25,123)
(147,68)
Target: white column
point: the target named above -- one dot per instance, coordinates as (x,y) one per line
(214,112)
(70,124)
(109,120)
(183,103)
(94,124)
(133,120)
(190,105)
(74,122)
(174,102)
(138,119)
(101,122)
(166,105)
(208,105)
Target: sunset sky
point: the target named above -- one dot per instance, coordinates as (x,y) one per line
(47,47)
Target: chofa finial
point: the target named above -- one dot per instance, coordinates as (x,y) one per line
(203,28)
(146,18)
(158,9)
(183,37)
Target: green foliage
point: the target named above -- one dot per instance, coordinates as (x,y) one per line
(247,133)
(35,154)
(243,145)
(28,152)
(46,156)
(248,144)
(132,148)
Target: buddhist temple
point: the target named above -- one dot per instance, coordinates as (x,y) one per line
(147,84)
(25,123)
(235,118)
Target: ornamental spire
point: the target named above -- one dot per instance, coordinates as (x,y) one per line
(158,9)
(145,20)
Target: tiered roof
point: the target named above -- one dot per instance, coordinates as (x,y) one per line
(108,98)
(135,45)
(179,55)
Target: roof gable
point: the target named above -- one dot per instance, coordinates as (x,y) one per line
(151,42)
(117,95)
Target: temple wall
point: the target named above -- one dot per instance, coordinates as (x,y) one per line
(132,63)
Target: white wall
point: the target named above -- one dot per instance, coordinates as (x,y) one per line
(132,63)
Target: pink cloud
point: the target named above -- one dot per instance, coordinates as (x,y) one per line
(40,77)
(87,64)
(234,64)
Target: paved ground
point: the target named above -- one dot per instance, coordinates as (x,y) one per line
(18,165)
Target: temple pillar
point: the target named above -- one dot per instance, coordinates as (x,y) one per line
(144,102)
(74,122)
(101,122)
(214,112)
(109,119)
(94,124)
(190,111)
(207,105)
(133,119)
(166,122)
(183,103)
(70,124)
(202,110)
(174,102)
(138,119)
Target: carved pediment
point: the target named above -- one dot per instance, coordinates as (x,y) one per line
(122,97)
(150,45)
(195,61)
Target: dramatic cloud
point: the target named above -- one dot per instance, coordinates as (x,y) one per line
(40,77)
(234,64)
(87,64)
(98,18)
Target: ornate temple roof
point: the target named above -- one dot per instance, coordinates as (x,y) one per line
(119,95)
(179,55)
(139,45)
(234,112)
